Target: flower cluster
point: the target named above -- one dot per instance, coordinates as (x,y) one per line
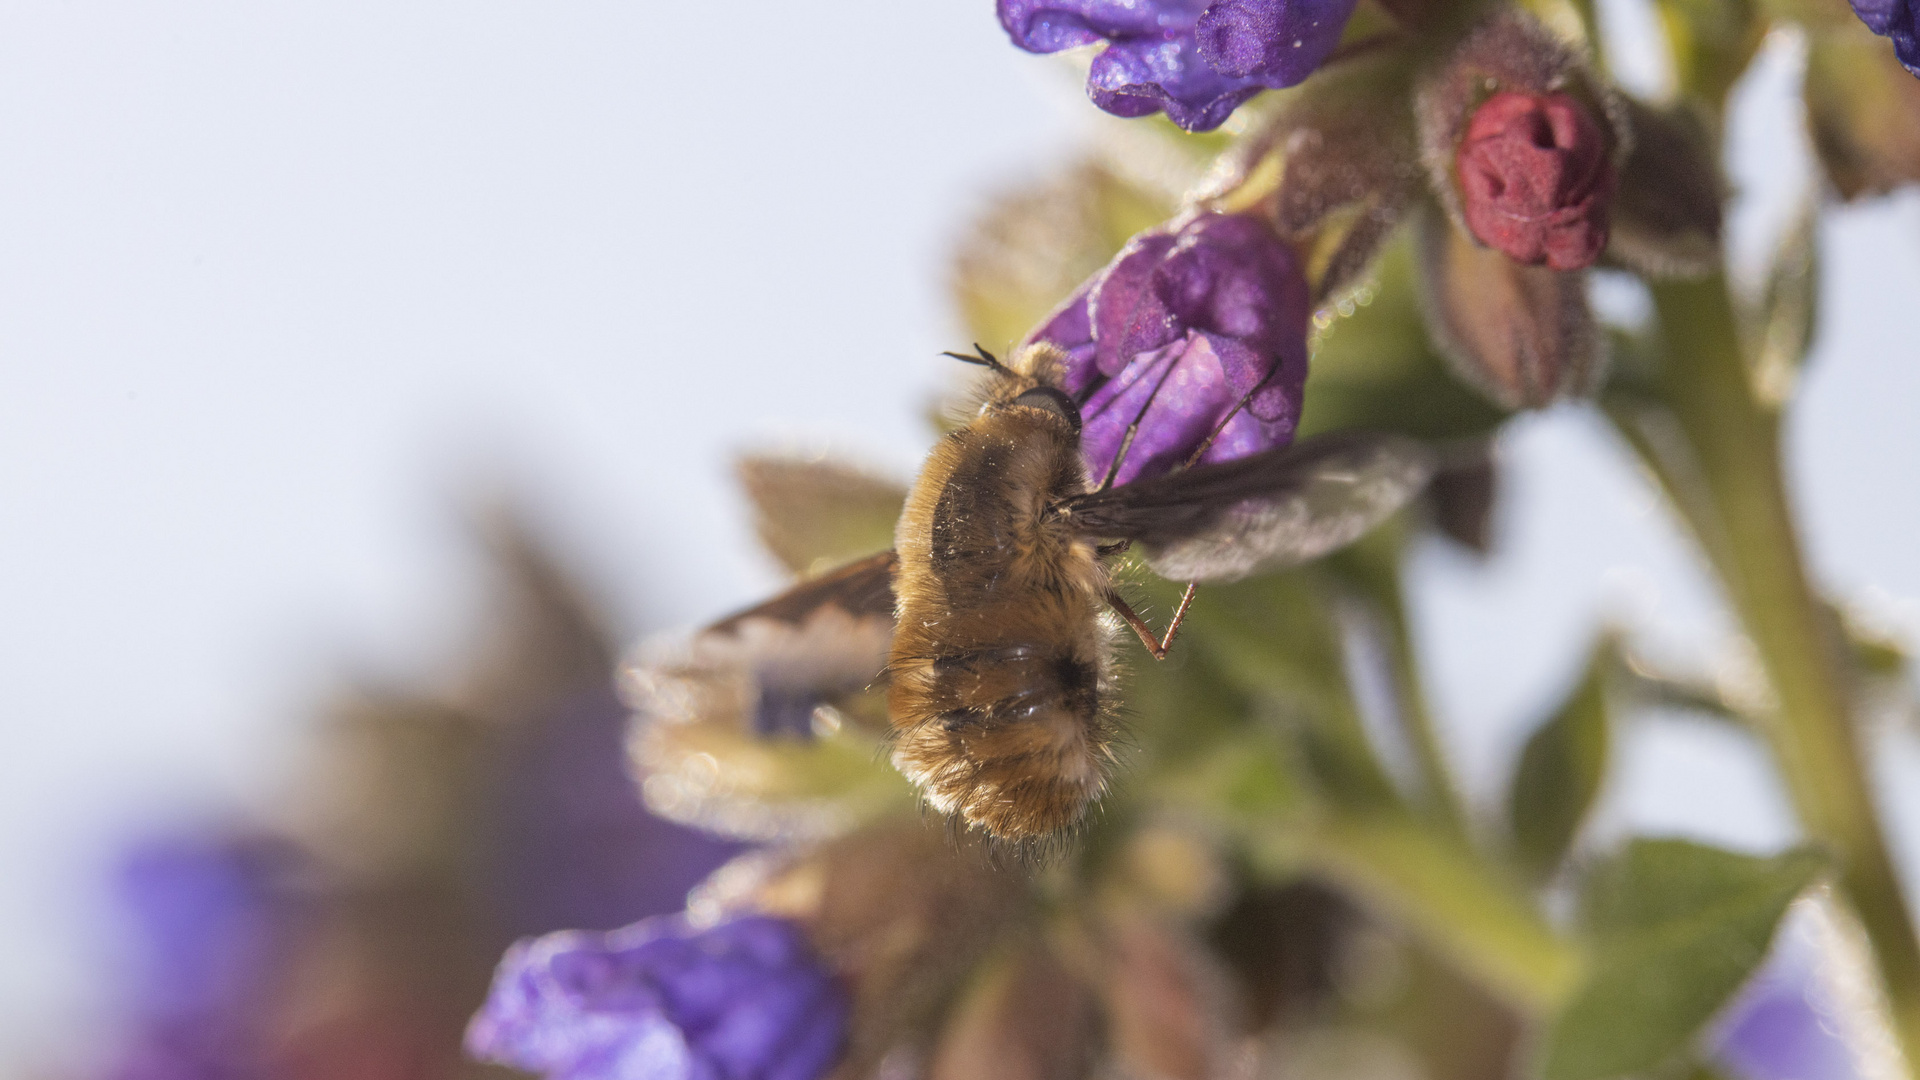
(1194,60)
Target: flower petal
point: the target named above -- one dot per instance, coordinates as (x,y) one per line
(1118,297)
(1045,26)
(1274,42)
(1141,76)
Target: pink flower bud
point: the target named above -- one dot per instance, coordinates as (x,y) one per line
(1535,179)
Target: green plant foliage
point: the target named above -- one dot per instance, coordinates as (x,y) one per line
(1676,927)
(1560,772)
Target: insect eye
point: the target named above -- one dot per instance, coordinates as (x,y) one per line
(1052,400)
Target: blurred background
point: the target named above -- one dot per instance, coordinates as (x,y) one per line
(287,295)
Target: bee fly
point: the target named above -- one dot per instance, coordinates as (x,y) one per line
(1000,668)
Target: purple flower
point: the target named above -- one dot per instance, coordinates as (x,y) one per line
(215,917)
(1194,59)
(1178,331)
(745,1000)
(1898,20)
(1783,1026)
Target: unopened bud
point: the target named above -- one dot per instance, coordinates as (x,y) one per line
(1522,335)
(1522,143)
(1535,182)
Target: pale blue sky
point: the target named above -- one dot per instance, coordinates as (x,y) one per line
(278,286)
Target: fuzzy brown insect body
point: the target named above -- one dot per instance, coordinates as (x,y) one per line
(1001,664)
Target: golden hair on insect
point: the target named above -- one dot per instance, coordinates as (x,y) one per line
(1001,682)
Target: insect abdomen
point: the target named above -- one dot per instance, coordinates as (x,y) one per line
(999,665)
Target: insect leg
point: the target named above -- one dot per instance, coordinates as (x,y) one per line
(1222,425)
(1159,647)
(1126,441)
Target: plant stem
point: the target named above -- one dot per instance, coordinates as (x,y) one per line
(1726,475)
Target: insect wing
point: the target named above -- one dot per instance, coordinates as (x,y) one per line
(861,590)
(814,514)
(766,725)
(1263,512)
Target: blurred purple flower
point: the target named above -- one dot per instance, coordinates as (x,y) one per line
(745,1000)
(1174,334)
(215,917)
(1195,60)
(572,843)
(1781,1028)
(1898,20)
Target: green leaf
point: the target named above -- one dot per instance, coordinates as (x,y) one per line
(1559,773)
(1677,928)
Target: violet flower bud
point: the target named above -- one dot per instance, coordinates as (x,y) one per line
(1898,20)
(1179,331)
(1195,60)
(1535,179)
(745,1000)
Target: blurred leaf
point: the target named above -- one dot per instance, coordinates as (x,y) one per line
(1560,771)
(1247,786)
(1667,209)
(1276,637)
(1026,1015)
(1712,40)
(1035,245)
(1375,368)
(1863,111)
(1676,927)
(1782,328)
(1429,882)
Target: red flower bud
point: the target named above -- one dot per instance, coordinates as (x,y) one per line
(1535,179)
